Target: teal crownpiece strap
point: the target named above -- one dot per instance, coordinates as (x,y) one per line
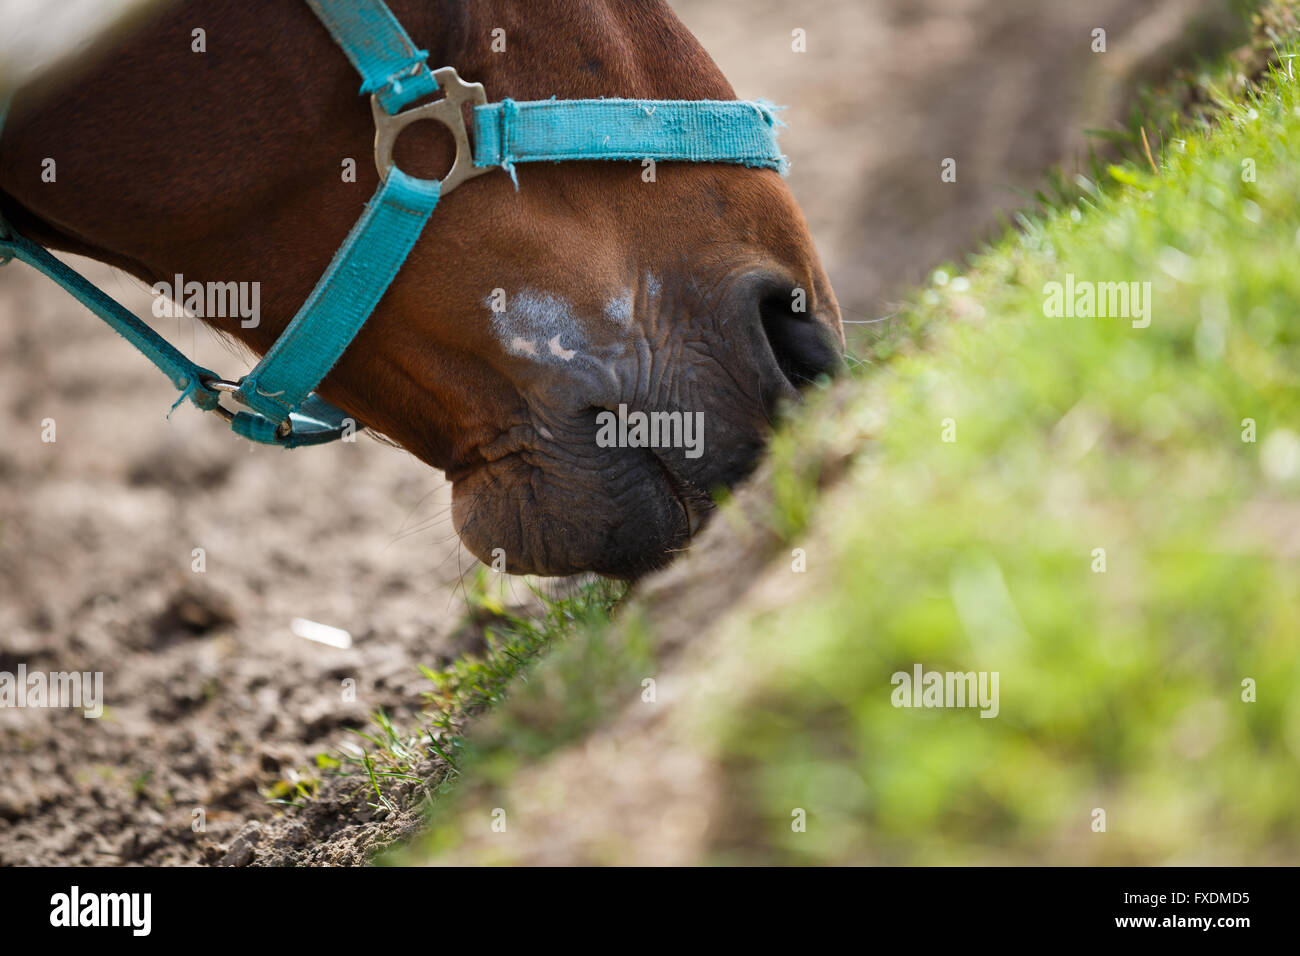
(346,295)
(701,131)
(390,64)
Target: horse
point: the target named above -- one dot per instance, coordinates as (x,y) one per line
(526,310)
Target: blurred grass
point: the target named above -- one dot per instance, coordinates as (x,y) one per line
(1120,690)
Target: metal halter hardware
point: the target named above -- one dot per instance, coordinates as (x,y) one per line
(447,111)
(279,392)
(283,431)
(388,126)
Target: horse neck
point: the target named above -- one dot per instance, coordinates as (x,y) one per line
(571,49)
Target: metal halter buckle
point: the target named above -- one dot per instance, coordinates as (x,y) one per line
(446,111)
(282,431)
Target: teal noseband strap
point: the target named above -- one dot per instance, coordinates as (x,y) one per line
(696,131)
(280,390)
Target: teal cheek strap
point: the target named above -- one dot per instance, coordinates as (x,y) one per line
(279,393)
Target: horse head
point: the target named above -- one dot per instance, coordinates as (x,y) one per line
(528,314)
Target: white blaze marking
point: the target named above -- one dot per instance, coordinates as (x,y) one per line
(619,308)
(558,351)
(538,325)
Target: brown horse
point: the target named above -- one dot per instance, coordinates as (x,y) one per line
(677,292)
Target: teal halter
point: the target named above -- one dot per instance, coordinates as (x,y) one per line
(279,391)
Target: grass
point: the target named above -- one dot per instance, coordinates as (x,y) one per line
(1107,516)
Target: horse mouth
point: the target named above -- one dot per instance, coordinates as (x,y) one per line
(551,520)
(618,482)
(696,505)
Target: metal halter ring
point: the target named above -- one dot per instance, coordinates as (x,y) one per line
(283,430)
(447,111)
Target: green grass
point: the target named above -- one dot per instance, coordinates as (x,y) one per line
(1120,690)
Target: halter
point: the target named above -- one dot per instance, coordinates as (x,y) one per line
(283,408)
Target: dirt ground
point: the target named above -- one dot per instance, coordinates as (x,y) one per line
(210,696)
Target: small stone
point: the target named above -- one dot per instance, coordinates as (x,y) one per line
(242,850)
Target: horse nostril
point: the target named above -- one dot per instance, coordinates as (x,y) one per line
(803,349)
